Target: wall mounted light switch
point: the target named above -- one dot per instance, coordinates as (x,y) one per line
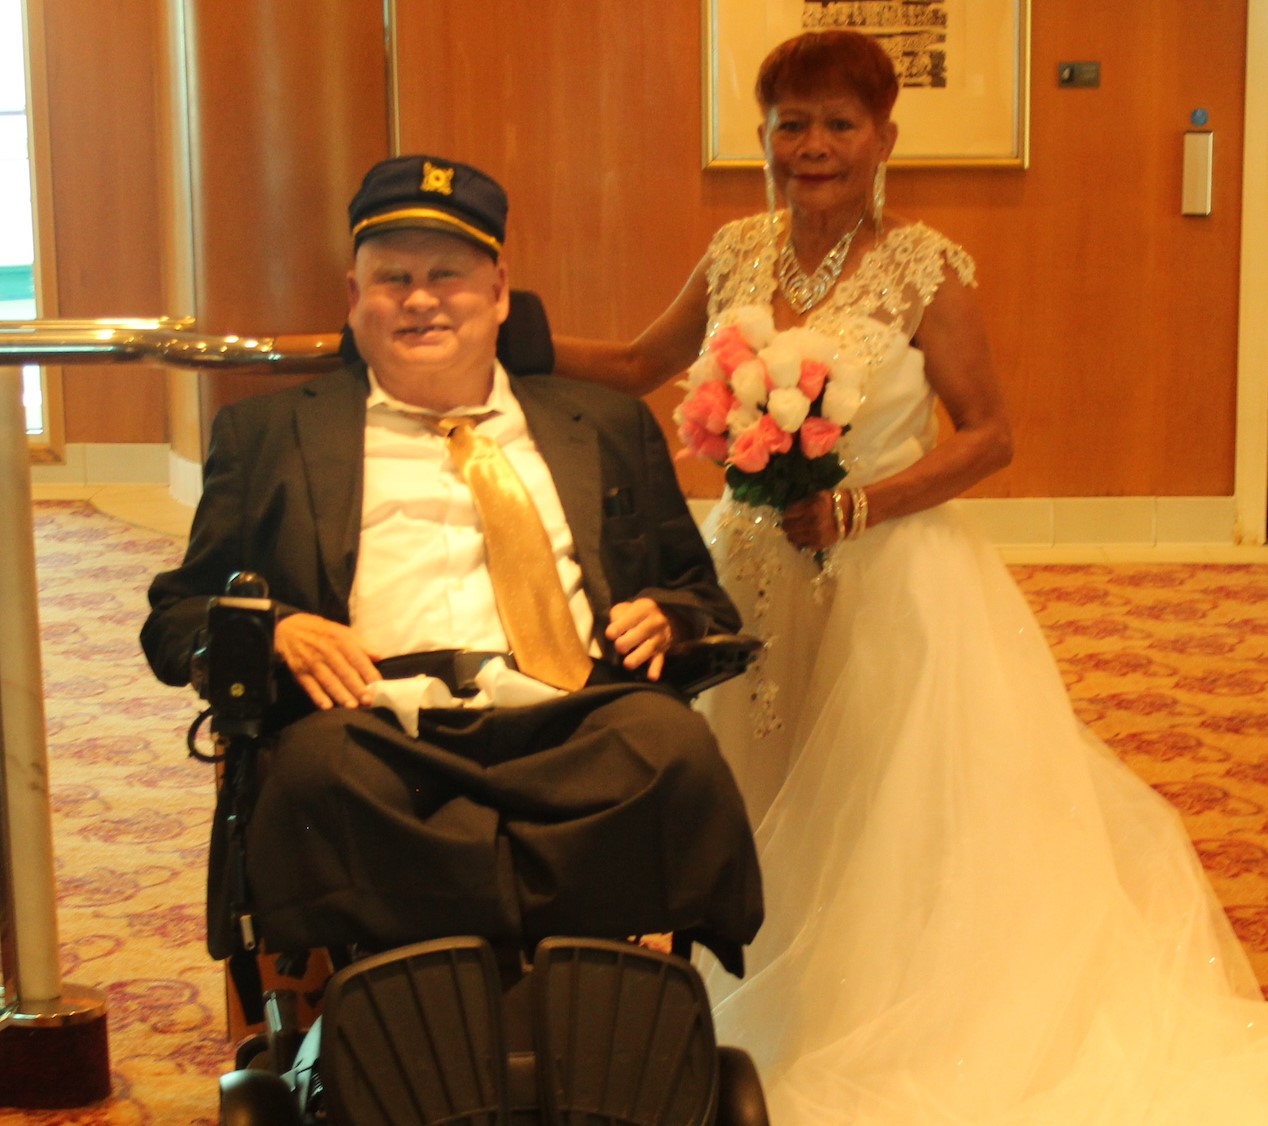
(1196,176)
(1072,75)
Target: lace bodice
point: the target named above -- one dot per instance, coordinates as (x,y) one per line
(893,283)
(874,312)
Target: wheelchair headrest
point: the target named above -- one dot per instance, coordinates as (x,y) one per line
(524,344)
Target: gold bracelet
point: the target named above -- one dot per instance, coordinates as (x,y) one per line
(858,513)
(838,514)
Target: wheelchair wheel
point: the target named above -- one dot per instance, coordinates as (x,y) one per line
(740,1098)
(257,1098)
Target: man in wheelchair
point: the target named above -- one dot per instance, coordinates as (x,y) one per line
(478,579)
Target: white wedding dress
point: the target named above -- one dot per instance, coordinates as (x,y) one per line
(975,913)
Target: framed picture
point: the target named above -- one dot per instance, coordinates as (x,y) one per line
(963,69)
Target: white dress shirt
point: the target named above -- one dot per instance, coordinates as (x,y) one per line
(421,579)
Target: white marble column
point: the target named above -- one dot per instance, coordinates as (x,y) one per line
(30,843)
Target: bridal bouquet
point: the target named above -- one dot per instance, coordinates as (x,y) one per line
(772,407)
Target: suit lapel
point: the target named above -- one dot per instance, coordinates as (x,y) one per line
(569,445)
(330,426)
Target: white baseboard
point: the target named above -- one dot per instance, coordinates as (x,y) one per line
(1092,521)
(121,463)
(1106,521)
(185,479)
(107,463)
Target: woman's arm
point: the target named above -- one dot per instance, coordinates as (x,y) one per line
(959,368)
(666,347)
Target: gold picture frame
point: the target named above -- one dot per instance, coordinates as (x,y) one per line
(965,97)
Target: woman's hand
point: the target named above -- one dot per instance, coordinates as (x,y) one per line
(668,346)
(811,524)
(326,659)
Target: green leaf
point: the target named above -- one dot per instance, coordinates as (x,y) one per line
(787,479)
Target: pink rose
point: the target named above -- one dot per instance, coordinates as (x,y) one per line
(708,406)
(776,439)
(699,442)
(749,453)
(730,348)
(818,436)
(813,375)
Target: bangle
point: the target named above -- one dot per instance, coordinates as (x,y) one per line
(858,514)
(838,514)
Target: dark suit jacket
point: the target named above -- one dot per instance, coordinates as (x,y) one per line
(282,497)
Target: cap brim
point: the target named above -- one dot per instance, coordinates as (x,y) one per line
(425,219)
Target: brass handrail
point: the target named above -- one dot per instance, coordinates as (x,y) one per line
(167,340)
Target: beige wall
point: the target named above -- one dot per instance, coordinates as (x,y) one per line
(1114,318)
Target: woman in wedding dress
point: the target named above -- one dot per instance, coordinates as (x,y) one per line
(975,913)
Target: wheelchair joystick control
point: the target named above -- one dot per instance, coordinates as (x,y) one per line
(247,584)
(233,667)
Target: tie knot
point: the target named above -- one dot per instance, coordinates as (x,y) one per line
(448,426)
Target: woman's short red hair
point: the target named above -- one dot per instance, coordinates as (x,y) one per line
(829,60)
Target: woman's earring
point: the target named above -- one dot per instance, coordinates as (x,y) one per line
(769,177)
(878,198)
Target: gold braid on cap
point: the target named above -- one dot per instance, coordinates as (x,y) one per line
(442,218)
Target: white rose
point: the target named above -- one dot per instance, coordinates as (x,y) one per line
(847,373)
(706,369)
(788,407)
(808,344)
(783,363)
(841,400)
(748,381)
(756,325)
(740,418)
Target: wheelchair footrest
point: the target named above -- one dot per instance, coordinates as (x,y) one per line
(415,1035)
(623,1035)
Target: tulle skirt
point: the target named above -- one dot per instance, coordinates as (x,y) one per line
(975,913)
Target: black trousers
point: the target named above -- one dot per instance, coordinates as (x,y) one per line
(608,812)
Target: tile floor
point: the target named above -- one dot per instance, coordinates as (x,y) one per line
(147,506)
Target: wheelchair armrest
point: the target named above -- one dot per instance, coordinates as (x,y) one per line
(693,666)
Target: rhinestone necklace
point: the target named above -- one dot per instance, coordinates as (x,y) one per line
(803,292)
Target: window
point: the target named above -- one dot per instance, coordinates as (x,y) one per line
(17,243)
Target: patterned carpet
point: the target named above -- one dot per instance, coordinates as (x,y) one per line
(1168,663)
(131,816)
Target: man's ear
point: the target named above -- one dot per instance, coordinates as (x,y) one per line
(502,289)
(354,290)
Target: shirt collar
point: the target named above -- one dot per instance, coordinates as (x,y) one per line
(500,398)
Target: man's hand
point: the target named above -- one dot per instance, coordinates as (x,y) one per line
(326,659)
(641,632)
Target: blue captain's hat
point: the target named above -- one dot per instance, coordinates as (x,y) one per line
(430,193)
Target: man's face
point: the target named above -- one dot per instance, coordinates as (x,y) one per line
(425,308)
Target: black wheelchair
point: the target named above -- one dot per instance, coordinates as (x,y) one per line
(451,1031)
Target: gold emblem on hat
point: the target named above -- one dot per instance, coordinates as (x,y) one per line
(439,180)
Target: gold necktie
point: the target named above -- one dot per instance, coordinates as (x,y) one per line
(530,597)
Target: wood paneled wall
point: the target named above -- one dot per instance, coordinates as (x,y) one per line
(287,109)
(105,81)
(1114,318)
